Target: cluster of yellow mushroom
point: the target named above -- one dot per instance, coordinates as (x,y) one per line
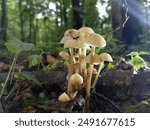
(80,63)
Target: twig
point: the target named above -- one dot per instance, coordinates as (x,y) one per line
(125,21)
(8,76)
(95,94)
(12,90)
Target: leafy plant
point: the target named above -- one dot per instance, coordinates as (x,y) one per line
(136,60)
(34,60)
(16,47)
(49,67)
(111,66)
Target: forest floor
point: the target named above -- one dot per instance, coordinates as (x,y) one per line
(117,90)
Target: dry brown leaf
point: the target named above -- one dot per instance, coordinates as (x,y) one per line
(51,59)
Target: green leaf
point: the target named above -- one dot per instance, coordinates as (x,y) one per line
(131,109)
(145,102)
(34,60)
(16,46)
(111,66)
(138,62)
(144,53)
(49,67)
(134,53)
(13,47)
(29,76)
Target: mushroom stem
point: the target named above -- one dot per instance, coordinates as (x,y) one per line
(70,70)
(84,63)
(69,88)
(72,56)
(80,61)
(89,75)
(97,75)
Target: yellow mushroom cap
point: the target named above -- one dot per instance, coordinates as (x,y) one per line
(64,97)
(76,79)
(73,33)
(64,39)
(86,30)
(80,42)
(64,55)
(95,59)
(96,40)
(106,57)
(75,43)
(71,43)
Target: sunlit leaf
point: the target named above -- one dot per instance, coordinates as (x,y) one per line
(144,53)
(134,53)
(138,62)
(111,66)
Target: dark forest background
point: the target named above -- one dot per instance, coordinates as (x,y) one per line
(44,21)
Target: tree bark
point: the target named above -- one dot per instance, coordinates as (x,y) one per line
(77,14)
(3,34)
(117,19)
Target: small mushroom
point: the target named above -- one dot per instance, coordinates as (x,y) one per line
(86,31)
(73,33)
(94,40)
(94,60)
(64,39)
(76,79)
(64,97)
(104,57)
(74,84)
(64,55)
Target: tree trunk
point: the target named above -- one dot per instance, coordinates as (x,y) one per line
(31,18)
(3,34)
(129,33)
(117,19)
(21,20)
(65,13)
(35,31)
(57,14)
(77,17)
